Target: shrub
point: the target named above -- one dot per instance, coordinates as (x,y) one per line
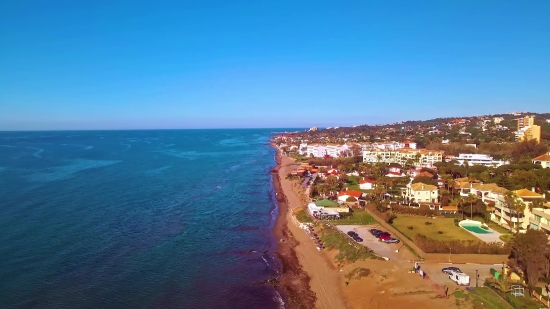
(406,210)
(439,232)
(389,217)
(460,246)
(358,273)
(410,227)
(457,221)
(484,227)
(428,223)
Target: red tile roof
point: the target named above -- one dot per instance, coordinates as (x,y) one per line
(356,194)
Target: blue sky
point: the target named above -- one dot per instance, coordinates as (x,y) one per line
(217,64)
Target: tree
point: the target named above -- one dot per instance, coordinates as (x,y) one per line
(471,199)
(529,149)
(515,205)
(332,183)
(529,254)
(425,179)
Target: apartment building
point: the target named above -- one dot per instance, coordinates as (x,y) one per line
(417,157)
(525,122)
(479,159)
(532,132)
(540,218)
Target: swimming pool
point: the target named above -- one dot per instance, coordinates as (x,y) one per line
(476,229)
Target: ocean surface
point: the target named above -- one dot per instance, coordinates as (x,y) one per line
(137,219)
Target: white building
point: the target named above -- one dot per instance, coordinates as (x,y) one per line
(479,159)
(417,157)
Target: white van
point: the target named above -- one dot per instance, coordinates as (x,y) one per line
(459,278)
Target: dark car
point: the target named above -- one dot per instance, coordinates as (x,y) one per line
(352,233)
(448,270)
(383,234)
(376,232)
(392,240)
(358,239)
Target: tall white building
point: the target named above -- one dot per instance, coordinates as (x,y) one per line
(479,159)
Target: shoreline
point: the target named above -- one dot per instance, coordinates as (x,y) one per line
(309,279)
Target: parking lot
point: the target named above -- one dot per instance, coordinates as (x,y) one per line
(434,272)
(379,247)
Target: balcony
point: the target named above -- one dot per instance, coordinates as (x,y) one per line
(541,212)
(540,224)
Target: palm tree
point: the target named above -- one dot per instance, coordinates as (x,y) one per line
(471,198)
(515,205)
(451,183)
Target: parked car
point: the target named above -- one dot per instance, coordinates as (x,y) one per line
(392,240)
(374,231)
(384,237)
(352,233)
(448,270)
(358,239)
(383,234)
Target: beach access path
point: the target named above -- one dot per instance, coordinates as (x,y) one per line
(325,279)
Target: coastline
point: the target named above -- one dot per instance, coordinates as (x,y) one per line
(309,279)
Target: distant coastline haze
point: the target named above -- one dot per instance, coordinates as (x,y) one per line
(248,64)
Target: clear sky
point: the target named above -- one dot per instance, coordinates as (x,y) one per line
(202,64)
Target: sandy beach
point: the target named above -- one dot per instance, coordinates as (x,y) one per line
(311,279)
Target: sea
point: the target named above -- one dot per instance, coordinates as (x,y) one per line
(137,219)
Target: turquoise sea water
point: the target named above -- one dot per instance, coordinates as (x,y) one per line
(476,229)
(137,219)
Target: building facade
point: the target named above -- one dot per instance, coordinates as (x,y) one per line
(479,159)
(417,157)
(543,161)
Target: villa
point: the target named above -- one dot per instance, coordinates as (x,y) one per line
(543,161)
(421,193)
(512,220)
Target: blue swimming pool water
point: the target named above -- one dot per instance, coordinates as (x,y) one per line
(476,229)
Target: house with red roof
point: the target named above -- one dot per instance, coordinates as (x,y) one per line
(344,195)
(366,184)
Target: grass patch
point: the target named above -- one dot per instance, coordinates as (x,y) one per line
(356,188)
(358,273)
(506,237)
(358,217)
(347,251)
(419,226)
(483,297)
(302,216)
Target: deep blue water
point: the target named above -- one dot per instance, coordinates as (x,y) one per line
(136,219)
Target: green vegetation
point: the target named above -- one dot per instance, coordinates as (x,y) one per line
(419,226)
(348,252)
(302,216)
(506,237)
(482,298)
(357,217)
(357,273)
(525,302)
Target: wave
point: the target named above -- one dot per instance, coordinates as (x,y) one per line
(67,171)
(37,154)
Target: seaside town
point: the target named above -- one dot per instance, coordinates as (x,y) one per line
(446,212)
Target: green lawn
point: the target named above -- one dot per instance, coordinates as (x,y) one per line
(483,297)
(356,188)
(445,225)
(358,217)
(302,216)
